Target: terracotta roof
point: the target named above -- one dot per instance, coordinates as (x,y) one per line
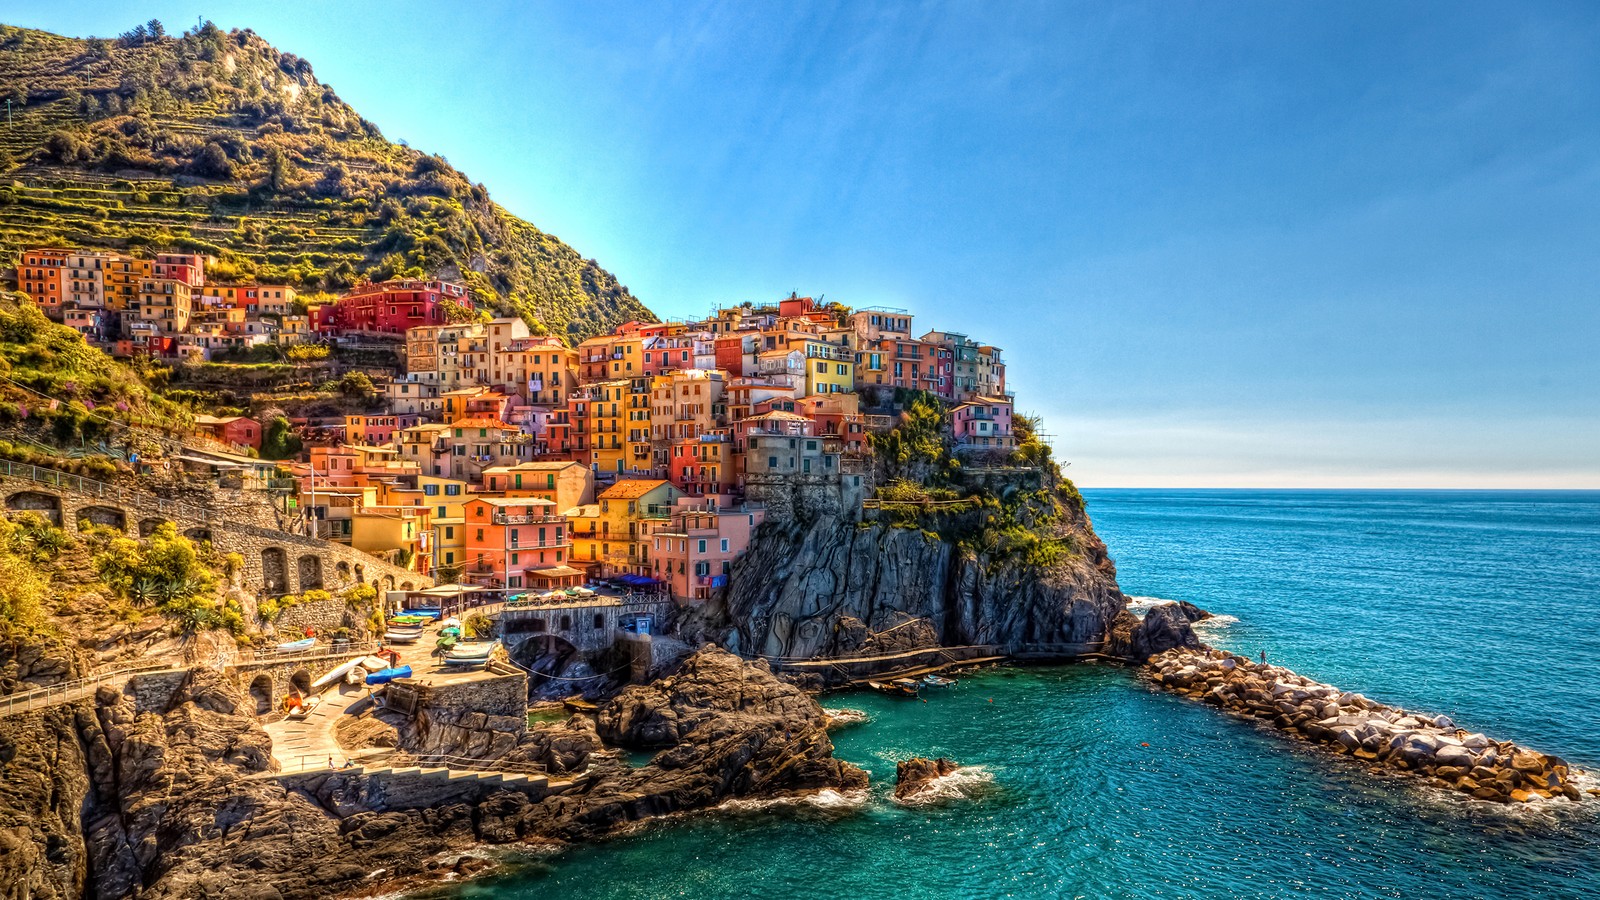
(535,466)
(780,414)
(482,422)
(632,488)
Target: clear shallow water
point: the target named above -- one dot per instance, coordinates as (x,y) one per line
(1482,605)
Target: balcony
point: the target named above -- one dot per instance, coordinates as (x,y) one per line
(500,518)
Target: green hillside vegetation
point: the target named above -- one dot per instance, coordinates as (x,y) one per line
(216,142)
(56,391)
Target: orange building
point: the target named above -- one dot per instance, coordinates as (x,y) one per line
(516,542)
(41,275)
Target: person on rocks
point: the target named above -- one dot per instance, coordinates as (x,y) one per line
(1263,657)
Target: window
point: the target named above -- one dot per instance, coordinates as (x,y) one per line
(430,490)
(724,545)
(822,368)
(702,547)
(449,531)
(599,620)
(480,534)
(441,512)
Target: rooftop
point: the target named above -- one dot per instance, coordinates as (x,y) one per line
(632,488)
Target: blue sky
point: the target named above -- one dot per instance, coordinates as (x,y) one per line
(1222,244)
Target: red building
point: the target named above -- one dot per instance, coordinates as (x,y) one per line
(389,307)
(240,431)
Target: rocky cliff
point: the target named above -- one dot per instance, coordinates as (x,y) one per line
(840,586)
(148,793)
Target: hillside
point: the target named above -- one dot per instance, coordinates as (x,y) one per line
(216,141)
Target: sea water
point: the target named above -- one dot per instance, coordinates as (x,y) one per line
(1079,781)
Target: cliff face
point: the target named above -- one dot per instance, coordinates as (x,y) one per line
(835,587)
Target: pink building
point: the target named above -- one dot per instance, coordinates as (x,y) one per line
(694,552)
(983,423)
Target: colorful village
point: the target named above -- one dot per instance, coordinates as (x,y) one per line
(507,460)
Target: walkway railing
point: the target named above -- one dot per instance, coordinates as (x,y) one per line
(67,691)
(361,648)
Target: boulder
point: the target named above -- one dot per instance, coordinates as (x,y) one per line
(912,776)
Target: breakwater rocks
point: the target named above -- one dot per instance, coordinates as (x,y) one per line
(1382,736)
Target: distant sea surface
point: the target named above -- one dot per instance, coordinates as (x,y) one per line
(1084,783)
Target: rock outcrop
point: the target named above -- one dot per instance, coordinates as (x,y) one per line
(1382,736)
(1163,628)
(839,587)
(119,797)
(912,776)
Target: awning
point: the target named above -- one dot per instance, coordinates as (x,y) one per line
(556,572)
(446,590)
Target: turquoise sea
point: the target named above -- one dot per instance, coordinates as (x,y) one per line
(1085,784)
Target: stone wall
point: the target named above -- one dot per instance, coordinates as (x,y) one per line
(234,521)
(588,627)
(482,718)
(794,496)
(321,615)
(154,692)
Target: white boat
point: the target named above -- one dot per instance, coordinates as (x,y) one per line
(334,674)
(356,676)
(474,654)
(297,646)
(305,707)
(402,636)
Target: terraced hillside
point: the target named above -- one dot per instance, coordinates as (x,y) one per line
(216,141)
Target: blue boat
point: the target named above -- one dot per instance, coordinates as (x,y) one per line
(426,612)
(384,676)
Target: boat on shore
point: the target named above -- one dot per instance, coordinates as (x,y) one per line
(304,707)
(402,635)
(423,612)
(384,676)
(937,681)
(334,675)
(473,654)
(297,646)
(900,687)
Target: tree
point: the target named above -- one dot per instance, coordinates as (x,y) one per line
(357,386)
(278,440)
(212,162)
(155,29)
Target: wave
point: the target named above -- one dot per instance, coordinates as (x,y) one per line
(965,783)
(1222,621)
(1145,604)
(838,718)
(827,799)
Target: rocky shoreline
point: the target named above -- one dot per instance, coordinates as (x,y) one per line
(1383,737)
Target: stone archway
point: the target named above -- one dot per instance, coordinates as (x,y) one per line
(274,570)
(110,516)
(262,692)
(198,535)
(148,527)
(388,582)
(310,574)
(301,681)
(47,505)
(341,569)
(407,586)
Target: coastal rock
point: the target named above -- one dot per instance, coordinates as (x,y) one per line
(836,586)
(111,797)
(1162,628)
(1430,746)
(912,776)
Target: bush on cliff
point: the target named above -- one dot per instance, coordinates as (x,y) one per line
(22,599)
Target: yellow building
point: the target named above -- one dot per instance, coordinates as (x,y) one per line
(400,534)
(603,426)
(613,535)
(830,368)
(565,483)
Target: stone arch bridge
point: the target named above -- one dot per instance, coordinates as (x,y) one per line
(275,562)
